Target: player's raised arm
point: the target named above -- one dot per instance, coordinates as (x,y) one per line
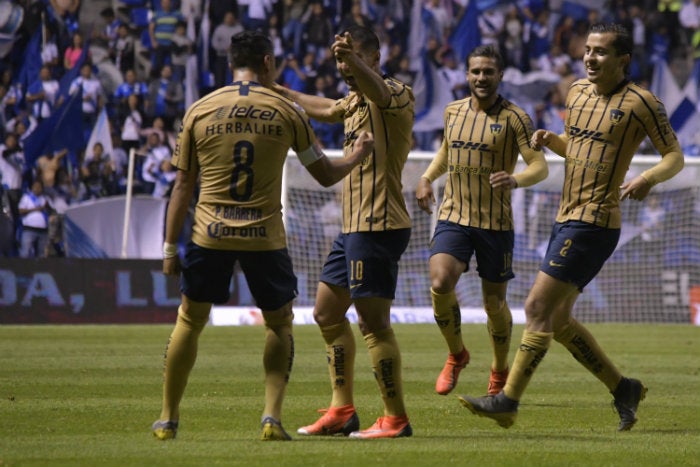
(360,65)
(317,107)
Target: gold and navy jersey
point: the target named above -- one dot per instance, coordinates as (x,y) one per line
(372,197)
(478,144)
(603,134)
(238,138)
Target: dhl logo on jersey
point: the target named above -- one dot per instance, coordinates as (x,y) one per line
(587,134)
(469,145)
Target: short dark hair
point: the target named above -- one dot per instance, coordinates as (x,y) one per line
(488,51)
(248,50)
(368,40)
(622,43)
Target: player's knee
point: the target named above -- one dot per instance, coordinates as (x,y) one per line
(281,317)
(535,309)
(494,304)
(441,282)
(194,314)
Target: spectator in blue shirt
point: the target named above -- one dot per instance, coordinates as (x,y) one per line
(161,30)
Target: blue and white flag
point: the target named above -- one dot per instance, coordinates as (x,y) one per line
(681,103)
(29,71)
(430,88)
(466,35)
(62,130)
(101,133)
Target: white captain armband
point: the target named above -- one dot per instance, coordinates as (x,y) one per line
(310,155)
(169,250)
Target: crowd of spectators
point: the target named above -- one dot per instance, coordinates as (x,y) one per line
(136,67)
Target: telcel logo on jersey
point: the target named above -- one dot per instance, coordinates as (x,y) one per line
(243,111)
(219,230)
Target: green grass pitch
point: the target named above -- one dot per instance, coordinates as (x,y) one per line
(87,395)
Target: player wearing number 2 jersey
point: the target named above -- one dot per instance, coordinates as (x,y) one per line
(233,144)
(607,117)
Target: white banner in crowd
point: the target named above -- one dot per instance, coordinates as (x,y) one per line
(94,229)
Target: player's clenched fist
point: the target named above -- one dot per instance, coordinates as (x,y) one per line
(364,143)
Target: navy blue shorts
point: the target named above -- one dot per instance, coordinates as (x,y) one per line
(493,248)
(366,263)
(577,251)
(206,275)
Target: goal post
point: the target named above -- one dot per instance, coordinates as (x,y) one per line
(649,278)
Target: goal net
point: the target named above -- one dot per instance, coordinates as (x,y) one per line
(650,278)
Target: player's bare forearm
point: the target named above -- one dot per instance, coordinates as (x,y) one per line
(330,171)
(317,107)
(180,198)
(424,195)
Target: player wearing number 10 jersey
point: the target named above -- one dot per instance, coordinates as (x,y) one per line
(234,142)
(362,267)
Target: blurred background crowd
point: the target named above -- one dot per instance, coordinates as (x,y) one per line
(84,82)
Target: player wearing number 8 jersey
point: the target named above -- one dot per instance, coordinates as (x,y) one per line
(607,117)
(362,267)
(233,144)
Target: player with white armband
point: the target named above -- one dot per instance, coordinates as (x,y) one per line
(232,145)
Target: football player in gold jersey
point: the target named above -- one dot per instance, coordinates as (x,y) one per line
(233,144)
(483,136)
(362,266)
(607,117)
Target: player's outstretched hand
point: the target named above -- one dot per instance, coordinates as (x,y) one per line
(637,189)
(539,139)
(424,195)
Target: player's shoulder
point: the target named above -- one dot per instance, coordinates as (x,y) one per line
(642,92)
(399,88)
(580,85)
(508,106)
(456,106)
(395,83)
